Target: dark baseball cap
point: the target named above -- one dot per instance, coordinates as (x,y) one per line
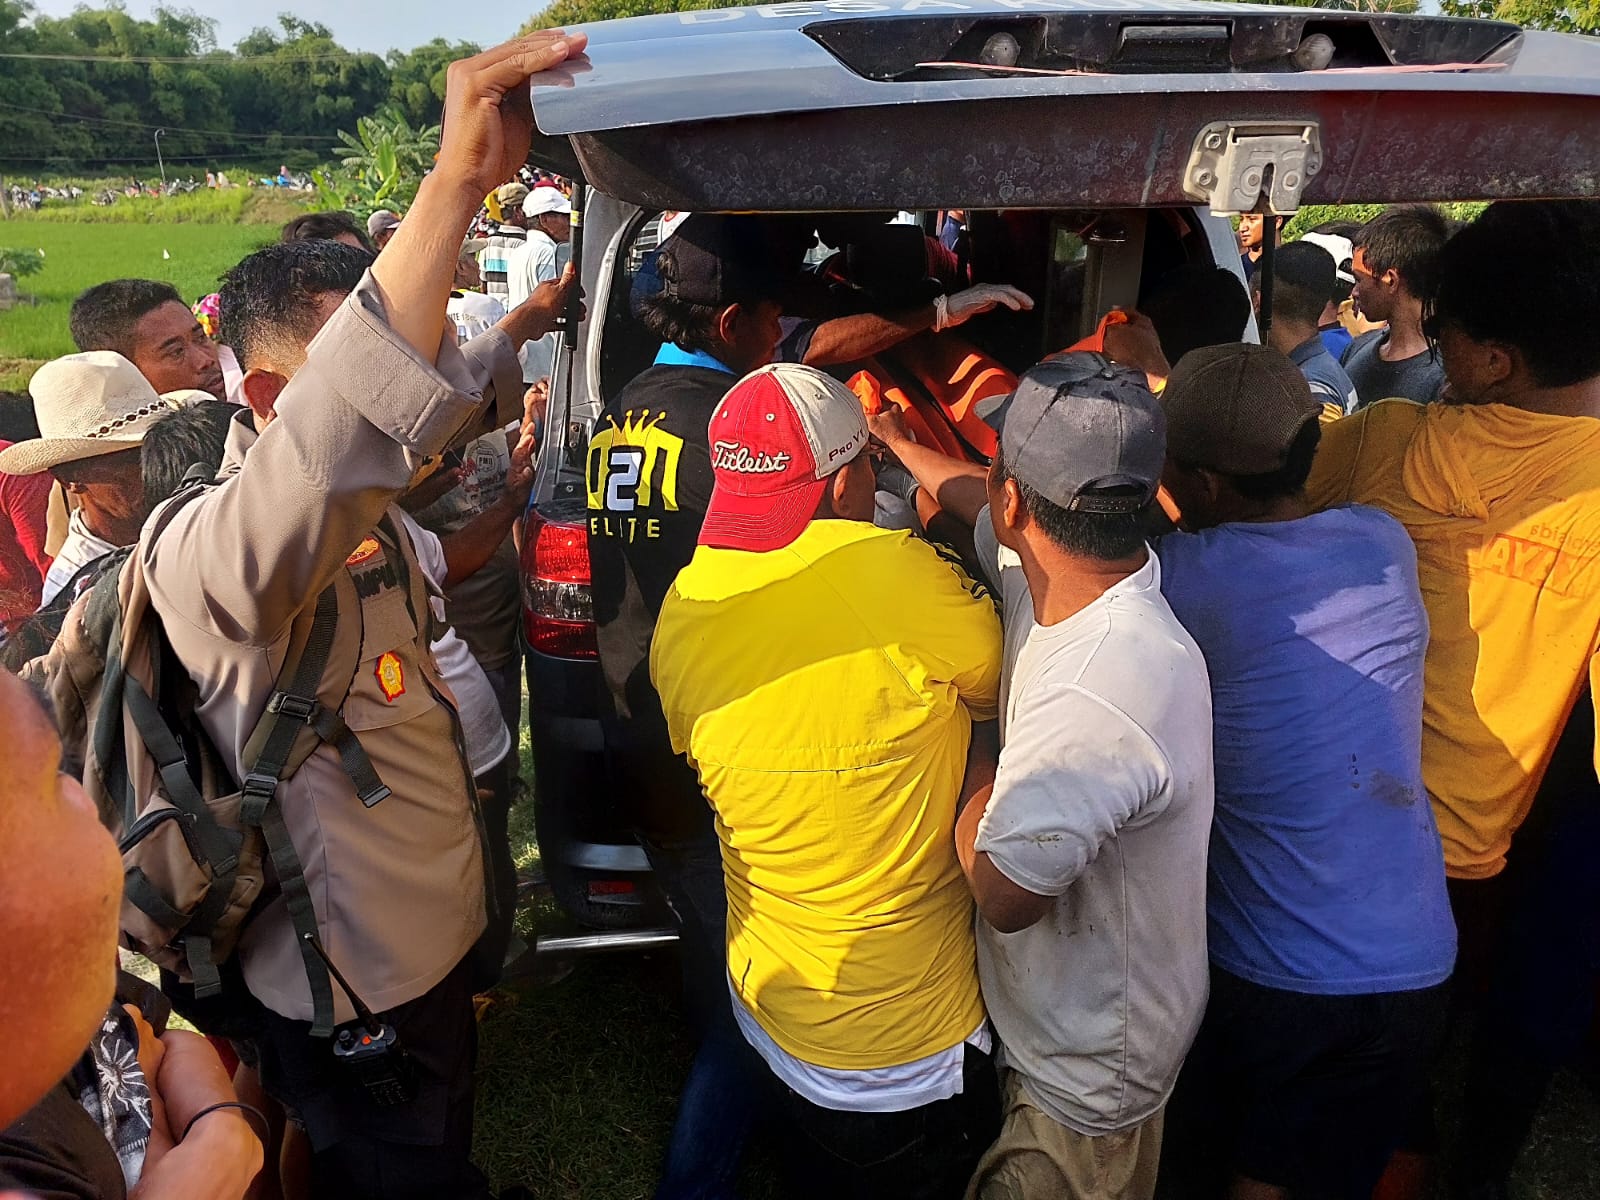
(1236,409)
(1079,426)
(720,260)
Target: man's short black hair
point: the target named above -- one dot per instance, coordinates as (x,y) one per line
(692,326)
(1289,479)
(1407,239)
(103,317)
(180,440)
(1303,275)
(17,420)
(324,227)
(1527,273)
(1196,305)
(271,296)
(1106,537)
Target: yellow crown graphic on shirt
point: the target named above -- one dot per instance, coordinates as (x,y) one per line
(625,460)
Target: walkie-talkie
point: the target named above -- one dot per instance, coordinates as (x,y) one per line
(368,1049)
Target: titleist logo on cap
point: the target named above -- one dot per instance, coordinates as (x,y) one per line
(731,456)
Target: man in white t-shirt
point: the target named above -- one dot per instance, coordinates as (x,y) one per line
(541,259)
(1088,859)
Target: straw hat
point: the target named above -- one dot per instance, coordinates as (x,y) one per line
(87,405)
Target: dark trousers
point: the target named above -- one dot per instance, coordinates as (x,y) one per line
(506,683)
(498,785)
(1530,959)
(420,1150)
(1305,1092)
(726,1093)
(926,1153)
(496,791)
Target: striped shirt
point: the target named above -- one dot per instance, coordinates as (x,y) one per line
(495,260)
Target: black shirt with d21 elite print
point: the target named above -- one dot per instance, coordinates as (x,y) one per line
(648,476)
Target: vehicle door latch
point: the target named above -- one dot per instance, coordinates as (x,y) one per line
(1234,167)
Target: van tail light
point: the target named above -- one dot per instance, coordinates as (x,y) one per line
(557,602)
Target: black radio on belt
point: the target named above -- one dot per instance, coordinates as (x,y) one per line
(369,1050)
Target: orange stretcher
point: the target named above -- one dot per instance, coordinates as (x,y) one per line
(936,381)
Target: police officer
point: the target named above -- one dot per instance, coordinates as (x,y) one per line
(382,821)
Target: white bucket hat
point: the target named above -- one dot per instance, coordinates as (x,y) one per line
(87,405)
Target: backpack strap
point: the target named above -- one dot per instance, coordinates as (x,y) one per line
(103,612)
(288,710)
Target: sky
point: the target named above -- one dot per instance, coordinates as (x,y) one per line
(376,25)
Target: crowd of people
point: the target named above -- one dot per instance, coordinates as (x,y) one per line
(1116,791)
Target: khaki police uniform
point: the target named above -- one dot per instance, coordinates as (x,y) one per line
(398,886)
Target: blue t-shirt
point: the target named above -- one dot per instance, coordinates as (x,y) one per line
(1329,383)
(1326,872)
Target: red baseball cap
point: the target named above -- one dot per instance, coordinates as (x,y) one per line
(776,439)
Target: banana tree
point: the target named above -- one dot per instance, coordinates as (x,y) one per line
(383,163)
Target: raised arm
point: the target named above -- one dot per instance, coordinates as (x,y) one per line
(492,355)
(488,127)
(852,338)
(383,386)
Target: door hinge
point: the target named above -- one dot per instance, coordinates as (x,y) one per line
(1234,167)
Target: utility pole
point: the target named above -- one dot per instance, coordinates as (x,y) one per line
(159,163)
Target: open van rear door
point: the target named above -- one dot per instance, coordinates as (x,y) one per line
(916,104)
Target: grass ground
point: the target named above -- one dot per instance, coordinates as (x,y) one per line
(191,255)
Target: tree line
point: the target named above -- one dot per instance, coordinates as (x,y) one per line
(91,89)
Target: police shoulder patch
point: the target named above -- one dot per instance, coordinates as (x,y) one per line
(368,547)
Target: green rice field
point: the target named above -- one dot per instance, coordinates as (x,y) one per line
(192,257)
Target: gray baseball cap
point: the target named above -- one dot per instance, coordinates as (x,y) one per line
(1079,425)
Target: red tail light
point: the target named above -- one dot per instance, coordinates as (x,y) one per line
(557,604)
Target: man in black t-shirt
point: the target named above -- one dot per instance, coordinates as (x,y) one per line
(1396,254)
(649,480)
(649,476)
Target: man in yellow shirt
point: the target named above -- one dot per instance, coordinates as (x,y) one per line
(822,676)
(1499,487)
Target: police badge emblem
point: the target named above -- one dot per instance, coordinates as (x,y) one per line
(391,676)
